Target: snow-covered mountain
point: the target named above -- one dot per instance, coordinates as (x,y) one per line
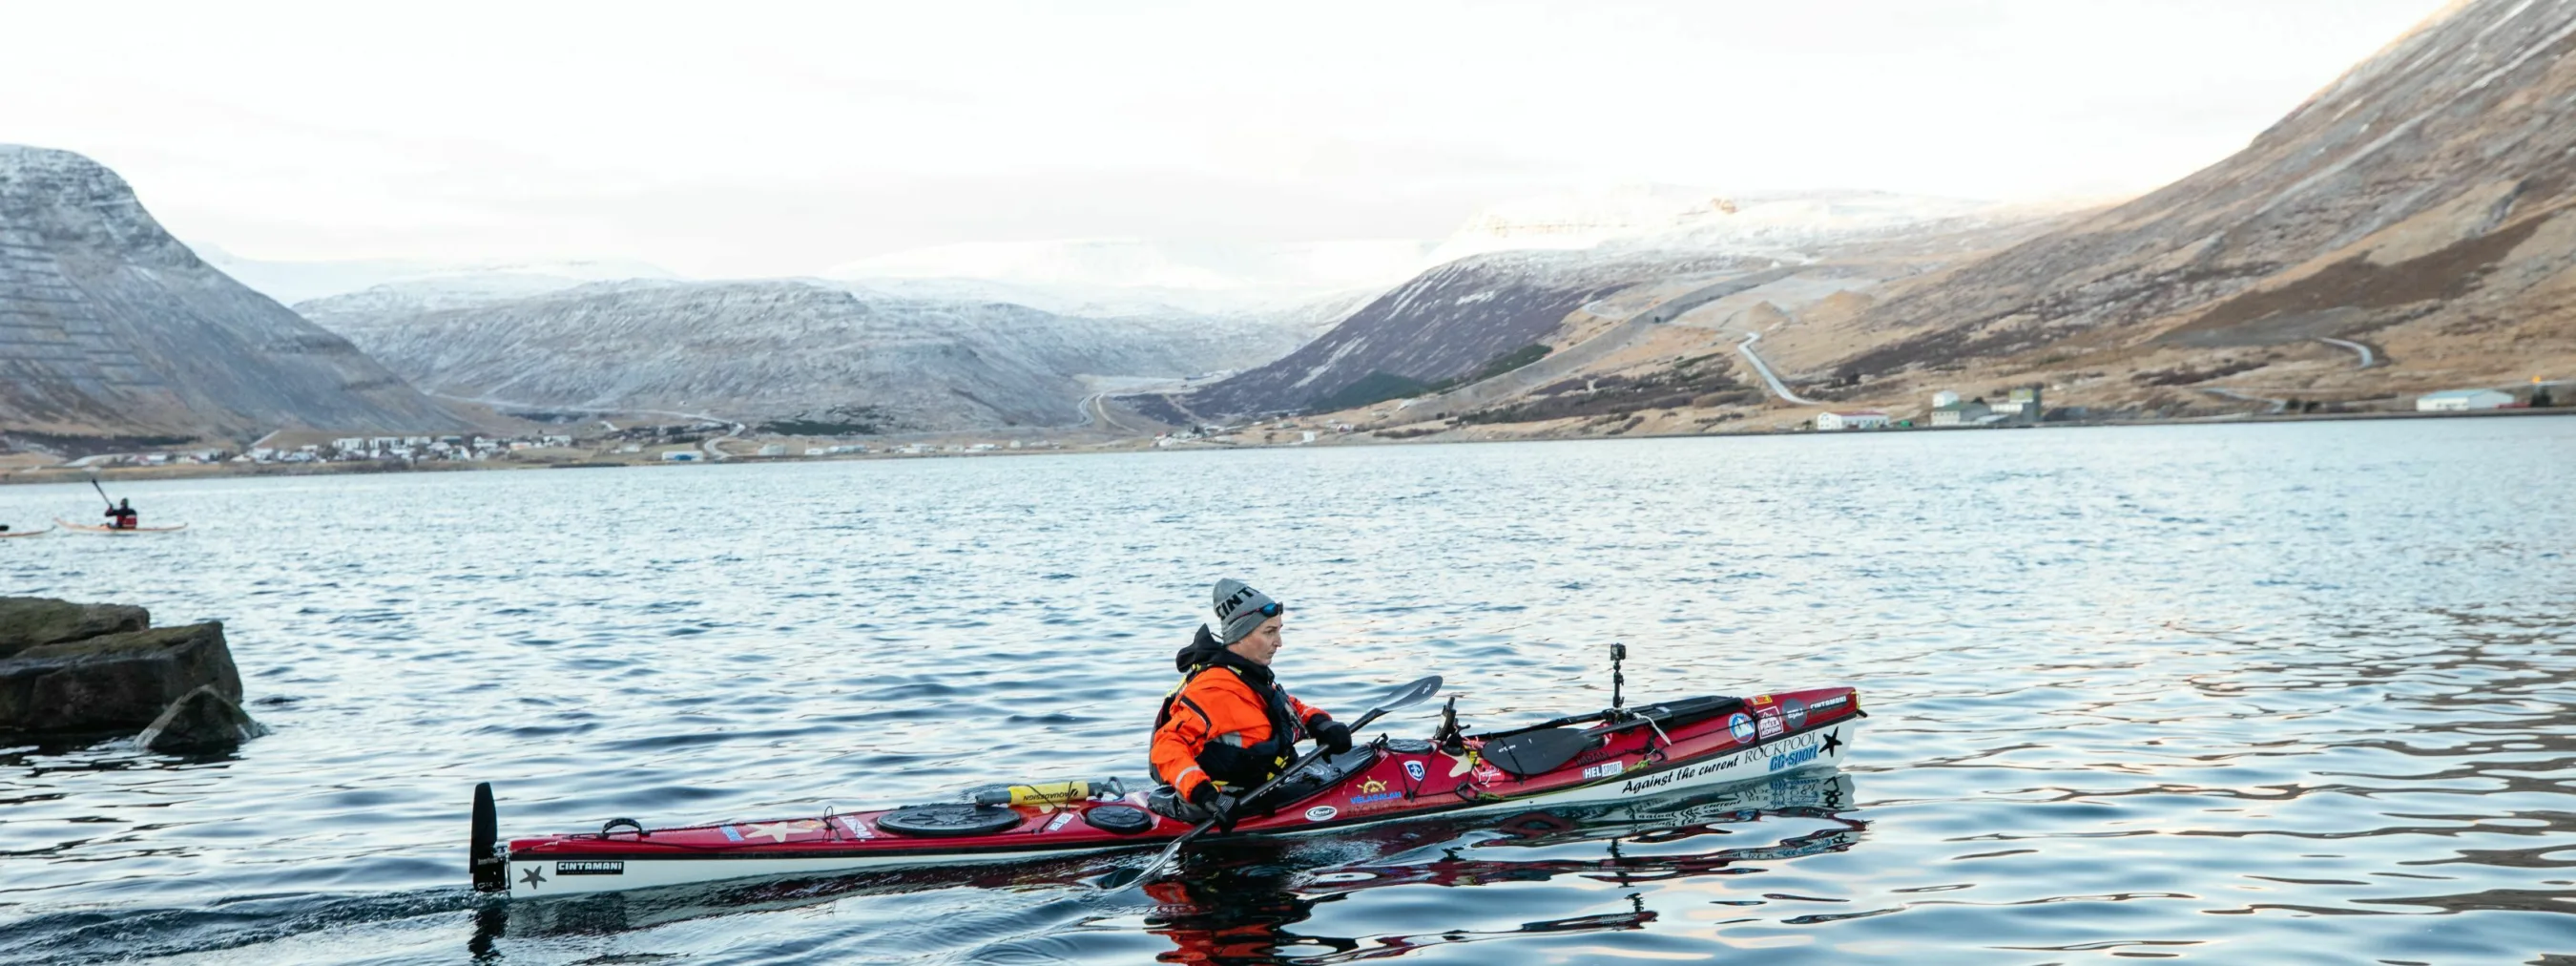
(110,327)
(1514,274)
(290,282)
(1127,276)
(1643,216)
(798,350)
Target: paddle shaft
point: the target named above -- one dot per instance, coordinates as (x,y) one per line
(102,492)
(1294,767)
(1410,695)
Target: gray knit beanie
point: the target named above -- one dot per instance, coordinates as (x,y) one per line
(1240,610)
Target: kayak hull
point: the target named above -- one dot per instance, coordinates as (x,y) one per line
(112,531)
(1753,741)
(26,533)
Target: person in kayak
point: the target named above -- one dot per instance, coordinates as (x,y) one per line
(122,515)
(1229,726)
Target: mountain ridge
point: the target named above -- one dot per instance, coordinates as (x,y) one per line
(110,327)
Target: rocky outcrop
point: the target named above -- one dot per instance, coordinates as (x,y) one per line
(82,670)
(201,720)
(27,622)
(2426,201)
(110,327)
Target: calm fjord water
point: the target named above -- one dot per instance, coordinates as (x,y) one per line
(2244,694)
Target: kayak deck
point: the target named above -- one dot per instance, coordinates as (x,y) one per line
(1691,744)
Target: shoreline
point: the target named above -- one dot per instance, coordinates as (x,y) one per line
(36,476)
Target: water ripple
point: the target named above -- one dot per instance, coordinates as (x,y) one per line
(2226,694)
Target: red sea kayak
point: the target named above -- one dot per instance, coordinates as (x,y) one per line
(1630,753)
(118,531)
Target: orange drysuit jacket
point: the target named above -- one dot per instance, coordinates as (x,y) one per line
(1217,705)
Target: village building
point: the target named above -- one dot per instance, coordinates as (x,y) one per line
(1970,413)
(2020,405)
(1851,419)
(2462,400)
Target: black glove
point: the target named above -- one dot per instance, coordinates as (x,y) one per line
(1332,735)
(1202,793)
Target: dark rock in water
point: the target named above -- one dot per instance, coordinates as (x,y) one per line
(26,622)
(73,669)
(201,720)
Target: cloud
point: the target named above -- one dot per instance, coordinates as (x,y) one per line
(771,138)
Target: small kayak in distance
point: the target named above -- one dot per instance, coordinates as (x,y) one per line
(26,533)
(1636,752)
(86,528)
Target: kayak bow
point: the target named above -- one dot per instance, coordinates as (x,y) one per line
(1633,753)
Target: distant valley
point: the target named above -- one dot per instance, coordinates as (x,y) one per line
(2406,230)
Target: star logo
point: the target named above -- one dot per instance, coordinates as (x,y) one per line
(779,831)
(1372,787)
(534,876)
(1462,765)
(1833,741)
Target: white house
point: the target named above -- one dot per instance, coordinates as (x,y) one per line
(1945,398)
(2461,400)
(1851,419)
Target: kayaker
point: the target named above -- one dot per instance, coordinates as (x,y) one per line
(122,515)
(1229,726)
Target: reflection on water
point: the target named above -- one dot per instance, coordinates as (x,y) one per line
(2232,694)
(1237,901)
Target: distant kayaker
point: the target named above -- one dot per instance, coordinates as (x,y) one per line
(1229,726)
(122,515)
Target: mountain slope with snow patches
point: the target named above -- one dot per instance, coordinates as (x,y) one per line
(110,327)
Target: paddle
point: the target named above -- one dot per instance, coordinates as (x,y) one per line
(1410,695)
(102,492)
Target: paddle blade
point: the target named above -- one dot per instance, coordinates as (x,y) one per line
(1412,694)
(1156,868)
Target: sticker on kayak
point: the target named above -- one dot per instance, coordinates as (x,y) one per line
(1322,813)
(1414,768)
(857,829)
(1759,700)
(1741,726)
(1828,704)
(1372,790)
(1796,711)
(1060,821)
(1604,770)
(590,867)
(777,831)
(1771,726)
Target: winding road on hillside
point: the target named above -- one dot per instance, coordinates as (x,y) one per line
(1770,379)
(1095,412)
(2367,356)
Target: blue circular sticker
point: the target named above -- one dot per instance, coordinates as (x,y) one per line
(1742,726)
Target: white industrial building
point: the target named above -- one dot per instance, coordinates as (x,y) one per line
(2462,400)
(1853,419)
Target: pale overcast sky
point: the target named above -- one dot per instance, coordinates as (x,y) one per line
(768,139)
